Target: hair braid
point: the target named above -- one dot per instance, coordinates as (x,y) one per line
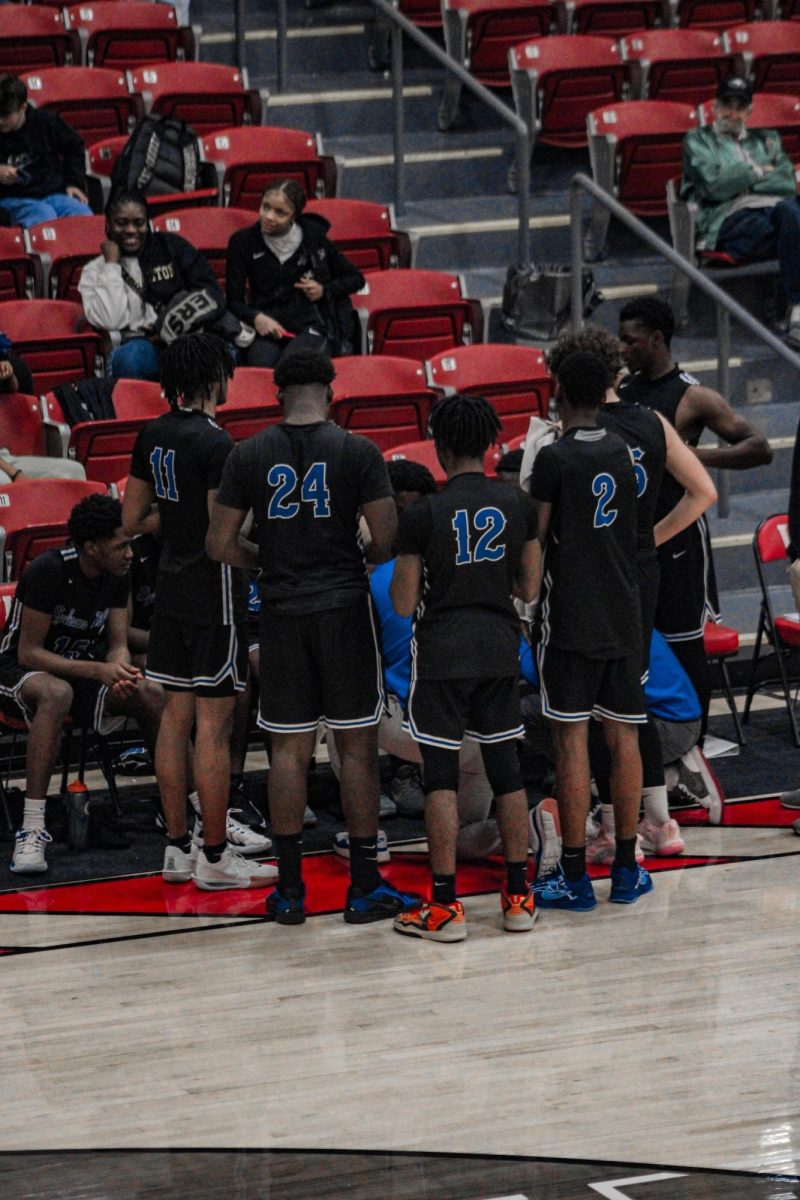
(192,364)
(465,425)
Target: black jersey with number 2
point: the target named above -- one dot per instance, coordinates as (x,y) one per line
(470,536)
(182,455)
(643,433)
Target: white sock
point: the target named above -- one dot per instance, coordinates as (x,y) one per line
(194,800)
(609,824)
(33,814)
(656,806)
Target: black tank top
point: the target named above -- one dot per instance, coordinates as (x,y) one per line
(664,395)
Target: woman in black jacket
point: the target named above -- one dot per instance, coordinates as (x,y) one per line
(299,284)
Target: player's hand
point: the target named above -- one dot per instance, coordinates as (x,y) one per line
(269,327)
(76,194)
(6,370)
(311,287)
(110,251)
(113,674)
(8,175)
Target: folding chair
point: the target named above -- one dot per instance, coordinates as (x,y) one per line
(100,159)
(206,96)
(63,248)
(415,314)
(514,379)
(768,52)
(364,232)
(248,157)
(682,65)
(769,546)
(32,38)
(94,101)
(104,447)
(54,339)
(252,403)
(208,229)
(386,399)
(721,643)
(126,35)
(770,110)
(33,518)
(19,274)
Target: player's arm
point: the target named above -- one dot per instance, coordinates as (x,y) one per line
(139,512)
(685,466)
(381,519)
(224,542)
(747,447)
(138,639)
(529,575)
(405,590)
(31,654)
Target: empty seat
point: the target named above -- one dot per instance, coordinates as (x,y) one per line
(206,96)
(18,272)
(423,452)
(721,642)
(104,447)
(557,81)
(92,100)
(63,247)
(53,338)
(21,429)
(208,229)
(386,399)
(684,65)
(252,403)
(713,14)
(611,17)
(363,231)
(770,110)
(125,35)
(425,13)
(514,379)
(248,158)
(769,53)
(33,518)
(102,155)
(35,37)
(416,314)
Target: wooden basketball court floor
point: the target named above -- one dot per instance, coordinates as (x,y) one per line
(664,1034)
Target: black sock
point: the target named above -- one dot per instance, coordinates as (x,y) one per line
(184,842)
(444,889)
(573,862)
(626,853)
(364,873)
(289,851)
(214,853)
(516,881)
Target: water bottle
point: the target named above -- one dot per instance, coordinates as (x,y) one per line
(78,815)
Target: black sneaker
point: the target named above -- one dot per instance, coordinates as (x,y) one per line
(381,904)
(286,910)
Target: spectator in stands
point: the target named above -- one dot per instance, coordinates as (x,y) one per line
(743,183)
(509,467)
(42,169)
(130,286)
(299,283)
(65,653)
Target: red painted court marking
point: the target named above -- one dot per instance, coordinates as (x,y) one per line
(765,814)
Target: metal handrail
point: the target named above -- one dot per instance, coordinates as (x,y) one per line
(726,306)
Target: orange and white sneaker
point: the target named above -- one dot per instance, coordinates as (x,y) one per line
(519,912)
(437,922)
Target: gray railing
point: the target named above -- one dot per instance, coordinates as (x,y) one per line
(725,306)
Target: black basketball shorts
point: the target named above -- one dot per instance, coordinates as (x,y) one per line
(209,660)
(687,593)
(88,699)
(441,712)
(320,667)
(575,687)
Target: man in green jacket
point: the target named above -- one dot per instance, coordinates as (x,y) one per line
(744,186)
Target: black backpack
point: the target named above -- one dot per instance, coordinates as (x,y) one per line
(161,156)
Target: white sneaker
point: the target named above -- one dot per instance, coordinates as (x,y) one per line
(693,780)
(179,865)
(545,836)
(601,849)
(246,841)
(29,851)
(232,871)
(664,840)
(341,846)
(309,818)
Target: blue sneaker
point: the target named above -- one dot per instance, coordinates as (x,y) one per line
(286,910)
(381,904)
(627,884)
(573,896)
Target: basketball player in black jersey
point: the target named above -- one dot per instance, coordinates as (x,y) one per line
(687,592)
(306,482)
(590,651)
(198,642)
(462,552)
(656,448)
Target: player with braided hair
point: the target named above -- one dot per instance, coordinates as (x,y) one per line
(198,635)
(462,553)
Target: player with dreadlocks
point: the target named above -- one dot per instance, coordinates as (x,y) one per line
(462,553)
(198,638)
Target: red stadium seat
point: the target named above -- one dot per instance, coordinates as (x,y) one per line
(94,101)
(713,14)
(557,81)
(33,38)
(769,53)
(124,35)
(53,338)
(63,247)
(416,314)
(363,231)
(611,18)
(19,274)
(770,544)
(33,518)
(252,403)
(423,452)
(514,379)
(721,642)
(771,110)
(21,429)
(208,229)
(101,157)
(385,399)
(248,158)
(206,96)
(104,447)
(425,13)
(683,65)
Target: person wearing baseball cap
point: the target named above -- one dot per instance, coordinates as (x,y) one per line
(744,187)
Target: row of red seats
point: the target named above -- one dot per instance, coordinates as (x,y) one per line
(581,16)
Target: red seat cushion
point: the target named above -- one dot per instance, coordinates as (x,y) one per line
(720,640)
(788,630)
